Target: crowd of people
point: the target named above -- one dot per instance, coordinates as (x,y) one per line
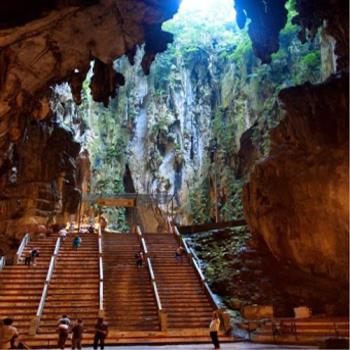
(58,231)
(65,327)
(9,335)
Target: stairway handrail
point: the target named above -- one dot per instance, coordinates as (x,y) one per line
(155,288)
(24,242)
(200,275)
(199,271)
(170,226)
(142,240)
(2,262)
(161,313)
(101,277)
(181,240)
(48,278)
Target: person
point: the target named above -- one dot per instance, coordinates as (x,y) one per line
(62,233)
(178,254)
(71,228)
(101,332)
(91,229)
(103,223)
(34,254)
(77,330)
(139,259)
(28,259)
(214,329)
(63,330)
(65,320)
(76,242)
(8,334)
(83,231)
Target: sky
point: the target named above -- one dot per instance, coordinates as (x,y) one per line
(209,7)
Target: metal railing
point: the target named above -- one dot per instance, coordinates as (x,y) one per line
(36,321)
(161,313)
(100,264)
(2,262)
(182,242)
(24,242)
(141,198)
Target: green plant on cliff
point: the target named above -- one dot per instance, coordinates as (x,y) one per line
(199,202)
(210,66)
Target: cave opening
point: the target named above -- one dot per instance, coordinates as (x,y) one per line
(196,124)
(226,120)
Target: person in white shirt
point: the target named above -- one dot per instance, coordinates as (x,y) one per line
(214,329)
(62,233)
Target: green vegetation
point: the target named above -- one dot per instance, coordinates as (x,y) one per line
(208,73)
(107,150)
(199,202)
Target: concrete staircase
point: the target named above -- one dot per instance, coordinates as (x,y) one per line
(182,295)
(21,286)
(130,306)
(74,287)
(312,330)
(129,301)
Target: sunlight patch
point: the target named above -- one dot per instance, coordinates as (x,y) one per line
(214,10)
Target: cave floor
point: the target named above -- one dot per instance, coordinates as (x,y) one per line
(226,346)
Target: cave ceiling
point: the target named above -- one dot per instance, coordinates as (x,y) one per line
(47,42)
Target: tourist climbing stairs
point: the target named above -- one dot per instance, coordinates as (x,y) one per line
(129,302)
(181,292)
(164,301)
(73,289)
(21,286)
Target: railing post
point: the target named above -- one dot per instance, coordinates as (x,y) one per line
(21,247)
(2,262)
(163,318)
(35,322)
(189,252)
(101,278)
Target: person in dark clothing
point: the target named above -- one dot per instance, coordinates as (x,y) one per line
(179,254)
(139,259)
(77,330)
(101,332)
(76,242)
(28,259)
(34,254)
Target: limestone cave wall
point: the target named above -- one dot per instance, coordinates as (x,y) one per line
(43,44)
(38,180)
(297,197)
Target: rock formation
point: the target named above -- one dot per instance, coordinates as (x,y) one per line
(38,179)
(46,43)
(297,198)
